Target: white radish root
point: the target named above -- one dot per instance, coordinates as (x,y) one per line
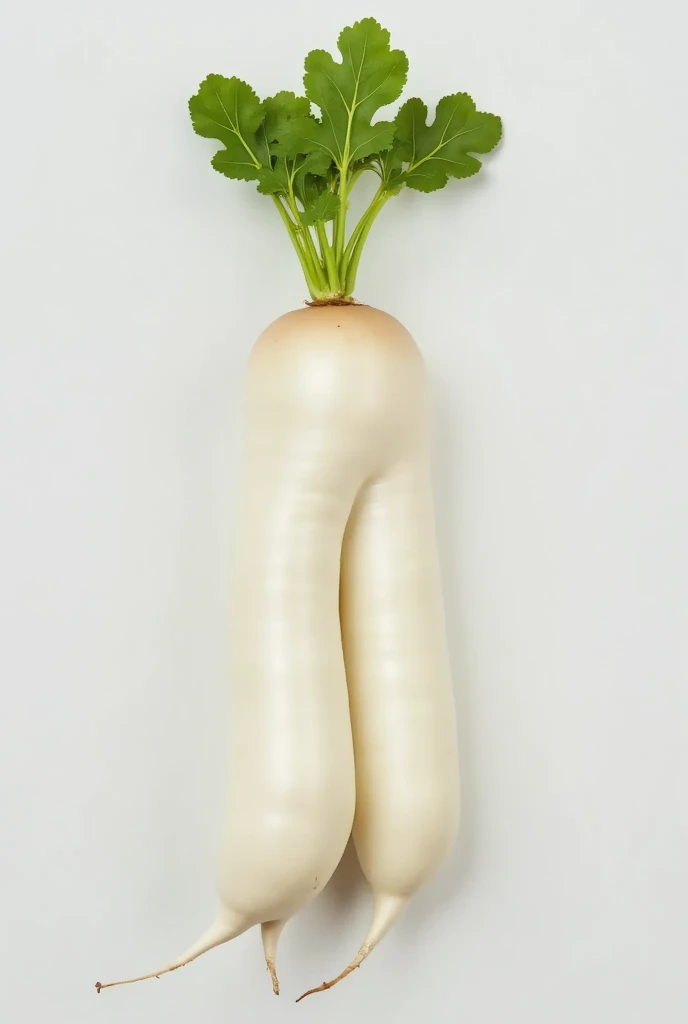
(399,680)
(332,399)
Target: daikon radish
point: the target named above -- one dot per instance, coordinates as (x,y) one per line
(333,397)
(335,477)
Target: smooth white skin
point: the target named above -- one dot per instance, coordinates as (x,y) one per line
(336,420)
(400,690)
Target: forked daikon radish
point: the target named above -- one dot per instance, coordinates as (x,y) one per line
(336,433)
(400,689)
(334,398)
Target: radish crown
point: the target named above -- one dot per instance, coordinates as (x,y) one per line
(308,165)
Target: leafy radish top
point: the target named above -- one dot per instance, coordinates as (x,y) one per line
(308,165)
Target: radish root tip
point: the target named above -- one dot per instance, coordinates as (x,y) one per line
(353,966)
(273,976)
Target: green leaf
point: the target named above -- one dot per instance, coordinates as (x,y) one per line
(319,205)
(349,94)
(317,164)
(228,109)
(442,150)
(273,180)
(390,166)
(279,110)
(312,188)
(291,171)
(234,162)
(282,173)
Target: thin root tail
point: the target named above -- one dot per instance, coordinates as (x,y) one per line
(221,931)
(143,977)
(353,966)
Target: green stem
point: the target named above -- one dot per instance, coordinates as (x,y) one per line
(351,268)
(313,255)
(313,285)
(328,257)
(307,239)
(340,219)
(360,226)
(355,175)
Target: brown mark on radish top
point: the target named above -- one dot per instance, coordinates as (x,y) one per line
(334,300)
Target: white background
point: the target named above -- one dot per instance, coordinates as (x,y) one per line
(547,297)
